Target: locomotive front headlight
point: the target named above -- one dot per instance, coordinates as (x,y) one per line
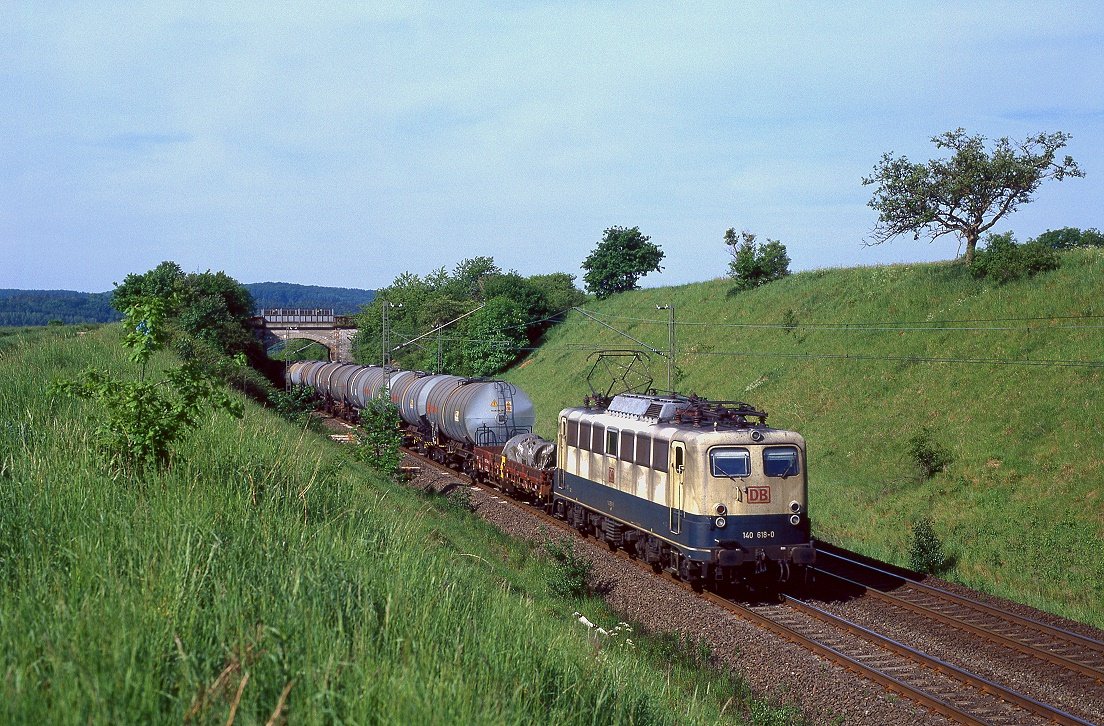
(721,510)
(720,522)
(795,520)
(795,507)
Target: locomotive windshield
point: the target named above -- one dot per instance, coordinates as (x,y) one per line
(730,462)
(780,461)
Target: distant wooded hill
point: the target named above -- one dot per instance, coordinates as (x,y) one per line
(344,300)
(39,307)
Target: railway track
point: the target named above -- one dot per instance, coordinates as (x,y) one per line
(939,686)
(1052,645)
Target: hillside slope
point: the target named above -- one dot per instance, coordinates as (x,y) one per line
(860,360)
(269,577)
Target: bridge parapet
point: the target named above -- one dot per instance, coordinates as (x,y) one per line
(317,324)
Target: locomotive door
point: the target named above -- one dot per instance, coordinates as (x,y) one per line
(561,452)
(674,489)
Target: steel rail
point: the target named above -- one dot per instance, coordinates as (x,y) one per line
(885,680)
(952,671)
(1061,634)
(992,636)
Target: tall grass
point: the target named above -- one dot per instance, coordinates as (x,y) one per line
(1020,507)
(266,573)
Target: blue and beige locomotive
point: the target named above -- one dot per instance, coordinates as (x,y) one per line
(705,490)
(702,489)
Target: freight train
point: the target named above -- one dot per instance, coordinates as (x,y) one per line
(702,489)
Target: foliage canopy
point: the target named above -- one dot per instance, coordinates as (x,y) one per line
(1002,260)
(966,194)
(516,312)
(755,264)
(619,261)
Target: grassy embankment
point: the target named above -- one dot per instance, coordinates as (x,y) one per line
(267,565)
(1021,507)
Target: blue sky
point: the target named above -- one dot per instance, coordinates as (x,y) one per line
(345,143)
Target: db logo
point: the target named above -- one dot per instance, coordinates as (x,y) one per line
(758,495)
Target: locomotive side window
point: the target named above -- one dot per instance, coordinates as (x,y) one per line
(643,450)
(659,455)
(729,462)
(780,461)
(584,436)
(611,442)
(572,433)
(627,445)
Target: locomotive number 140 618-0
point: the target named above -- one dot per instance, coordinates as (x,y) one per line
(759,535)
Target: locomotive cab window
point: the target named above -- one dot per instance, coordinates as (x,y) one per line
(729,461)
(780,461)
(611,442)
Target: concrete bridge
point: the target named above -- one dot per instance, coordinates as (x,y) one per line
(335,332)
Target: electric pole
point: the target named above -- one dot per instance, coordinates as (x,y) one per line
(670,342)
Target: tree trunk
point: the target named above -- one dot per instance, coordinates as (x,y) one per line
(971,236)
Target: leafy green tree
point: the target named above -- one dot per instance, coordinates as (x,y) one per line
(166,281)
(1068,238)
(208,309)
(470,274)
(144,419)
(442,296)
(966,194)
(1002,260)
(754,264)
(493,337)
(559,291)
(619,261)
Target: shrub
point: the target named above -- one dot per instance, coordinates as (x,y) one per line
(926,552)
(929,455)
(570,571)
(379,447)
(1068,238)
(755,264)
(295,404)
(1003,260)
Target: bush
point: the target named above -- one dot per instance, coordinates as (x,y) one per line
(929,455)
(1068,238)
(1003,260)
(755,264)
(570,571)
(926,552)
(295,404)
(380,446)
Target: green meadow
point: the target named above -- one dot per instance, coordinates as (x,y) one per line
(860,360)
(266,577)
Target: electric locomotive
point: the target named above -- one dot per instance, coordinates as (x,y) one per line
(703,489)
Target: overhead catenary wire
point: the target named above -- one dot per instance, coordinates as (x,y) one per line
(903,326)
(830,327)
